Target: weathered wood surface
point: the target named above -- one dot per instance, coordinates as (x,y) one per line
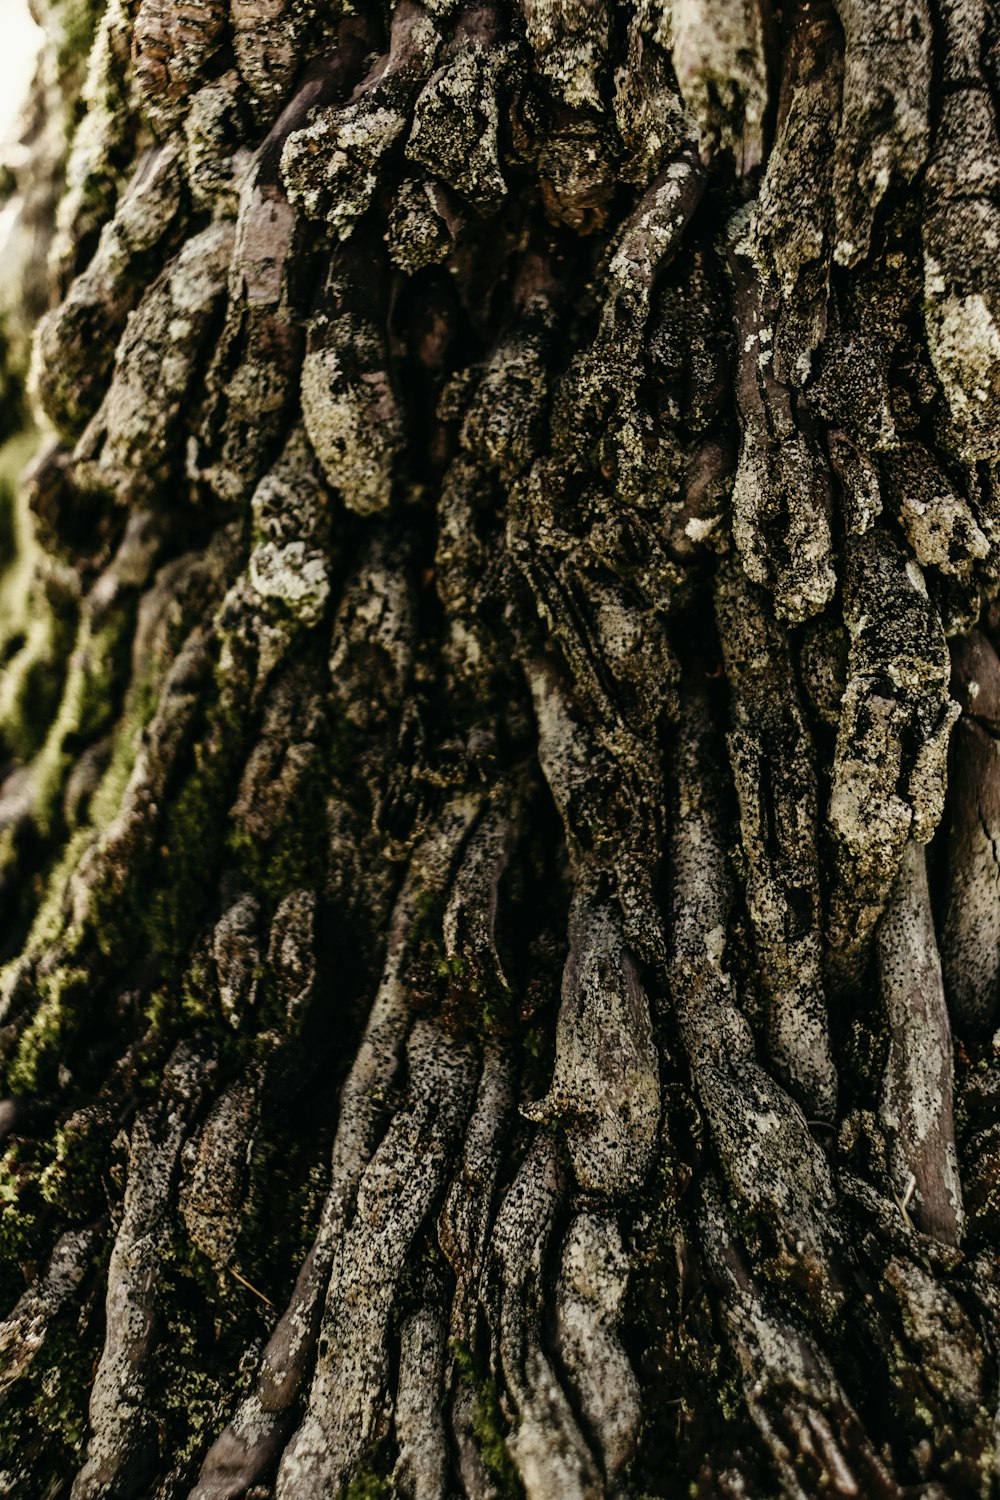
(499,722)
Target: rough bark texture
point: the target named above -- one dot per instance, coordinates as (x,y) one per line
(501,792)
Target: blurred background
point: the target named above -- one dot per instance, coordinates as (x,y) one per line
(19,39)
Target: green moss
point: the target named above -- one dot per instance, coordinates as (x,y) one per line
(97,668)
(471,998)
(139,709)
(12,367)
(50,918)
(72,1182)
(426,956)
(18,558)
(162,894)
(34,1063)
(20,1241)
(203,1308)
(296,852)
(62,1384)
(190,1397)
(8,520)
(366,1485)
(23,1239)
(37,621)
(487,1421)
(43,1424)
(78,24)
(197,994)
(43,1417)
(427,927)
(191,842)
(288,1176)
(537,1058)
(196,1401)
(189,848)
(32,687)
(474,1001)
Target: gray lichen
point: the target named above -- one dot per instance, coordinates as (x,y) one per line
(476,697)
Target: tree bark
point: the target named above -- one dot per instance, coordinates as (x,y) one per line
(500,796)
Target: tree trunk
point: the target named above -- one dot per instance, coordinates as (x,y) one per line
(500,713)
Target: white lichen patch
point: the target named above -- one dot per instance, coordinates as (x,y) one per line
(570,43)
(605,1083)
(964,342)
(330,167)
(352,419)
(590,1302)
(718,56)
(456,122)
(291,519)
(294,575)
(785,489)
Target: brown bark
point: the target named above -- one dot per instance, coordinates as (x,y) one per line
(499,808)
